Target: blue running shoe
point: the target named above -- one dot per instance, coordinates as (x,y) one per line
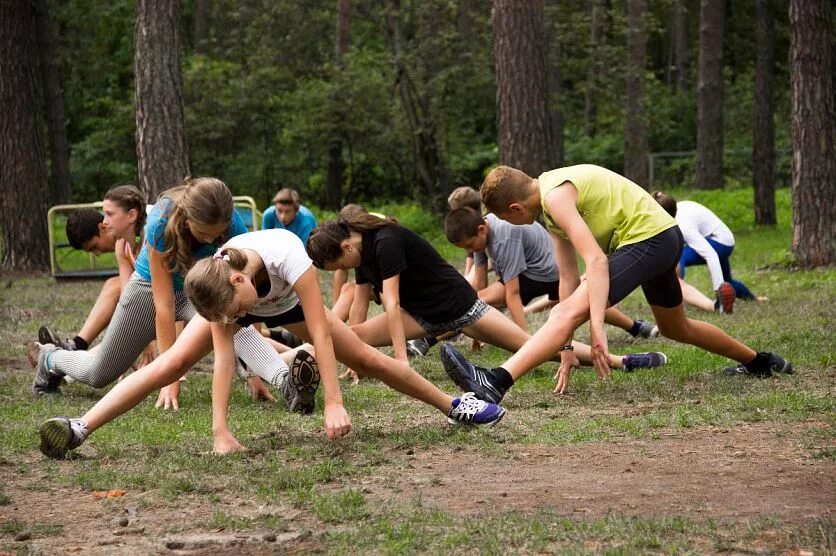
(46,381)
(647,360)
(469,377)
(469,410)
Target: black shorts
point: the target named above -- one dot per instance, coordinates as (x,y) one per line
(531,288)
(650,264)
(288,317)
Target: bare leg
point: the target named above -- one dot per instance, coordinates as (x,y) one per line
(616,318)
(695,297)
(352,351)
(539,304)
(343,303)
(102,310)
(675,325)
(494,295)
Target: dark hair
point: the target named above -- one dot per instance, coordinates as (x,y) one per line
(667,201)
(129,197)
(461,224)
(324,242)
(82,226)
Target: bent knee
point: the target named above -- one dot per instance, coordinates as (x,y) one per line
(678,332)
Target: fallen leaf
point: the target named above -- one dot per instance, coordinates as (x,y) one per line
(115,493)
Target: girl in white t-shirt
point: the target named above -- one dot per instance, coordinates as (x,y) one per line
(266,277)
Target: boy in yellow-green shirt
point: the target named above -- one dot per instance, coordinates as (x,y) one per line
(626,240)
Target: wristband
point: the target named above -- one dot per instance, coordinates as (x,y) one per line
(568,347)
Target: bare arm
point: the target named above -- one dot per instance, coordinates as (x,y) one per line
(337,422)
(392,306)
(162,290)
(224,371)
(125,264)
(337,283)
(514,302)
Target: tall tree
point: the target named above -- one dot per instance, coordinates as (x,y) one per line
(53,93)
(597,19)
(710,96)
(813,132)
(336,164)
(433,176)
(526,134)
(680,44)
(763,152)
(635,128)
(201,25)
(23,176)
(161,150)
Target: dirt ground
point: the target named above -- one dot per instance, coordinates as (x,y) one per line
(740,473)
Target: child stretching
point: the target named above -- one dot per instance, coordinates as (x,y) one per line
(626,240)
(261,277)
(524,261)
(182,228)
(422,294)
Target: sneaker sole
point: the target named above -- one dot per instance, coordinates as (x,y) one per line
(304,375)
(727,296)
(55,438)
(46,336)
(453,367)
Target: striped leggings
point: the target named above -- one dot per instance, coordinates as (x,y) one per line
(133,327)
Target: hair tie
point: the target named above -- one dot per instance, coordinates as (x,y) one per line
(219,254)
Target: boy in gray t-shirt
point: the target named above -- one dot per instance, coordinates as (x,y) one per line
(524,259)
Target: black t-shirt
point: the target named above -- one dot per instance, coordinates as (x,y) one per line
(429,287)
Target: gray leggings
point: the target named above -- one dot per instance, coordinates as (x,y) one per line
(133,327)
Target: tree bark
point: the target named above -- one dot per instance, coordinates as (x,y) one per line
(680,44)
(59,146)
(763,152)
(813,133)
(161,148)
(710,96)
(635,127)
(23,175)
(201,25)
(336,165)
(593,71)
(433,177)
(526,134)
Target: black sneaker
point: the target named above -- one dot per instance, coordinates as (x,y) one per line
(468,376)
(58,437)
(646,329)
(47,336)
(46,382)
(302,381)
(417,348)
(774,364)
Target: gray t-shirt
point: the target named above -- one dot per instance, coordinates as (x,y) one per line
(515,250)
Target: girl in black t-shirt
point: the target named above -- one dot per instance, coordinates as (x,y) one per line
(421,293)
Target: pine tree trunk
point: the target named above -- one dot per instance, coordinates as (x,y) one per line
(680,44)
(59,146)
(160,122)
(763,153)
(526,136)
(201,25)
(336,166)
(635,128)
(710,96)
(23,176)
(596,32)
(813,133)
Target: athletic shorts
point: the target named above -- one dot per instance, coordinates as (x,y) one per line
(650,264)
(531,289)
(288,317)
(476,312)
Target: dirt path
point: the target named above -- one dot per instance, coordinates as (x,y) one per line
(709,472)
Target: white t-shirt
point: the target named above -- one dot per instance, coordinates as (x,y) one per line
(284,258)
(698,223)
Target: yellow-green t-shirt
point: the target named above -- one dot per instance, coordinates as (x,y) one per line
(617,211)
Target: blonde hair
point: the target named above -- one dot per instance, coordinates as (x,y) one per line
(504,186)
(205,201)
(287,196)
(207,283)
(464,196)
